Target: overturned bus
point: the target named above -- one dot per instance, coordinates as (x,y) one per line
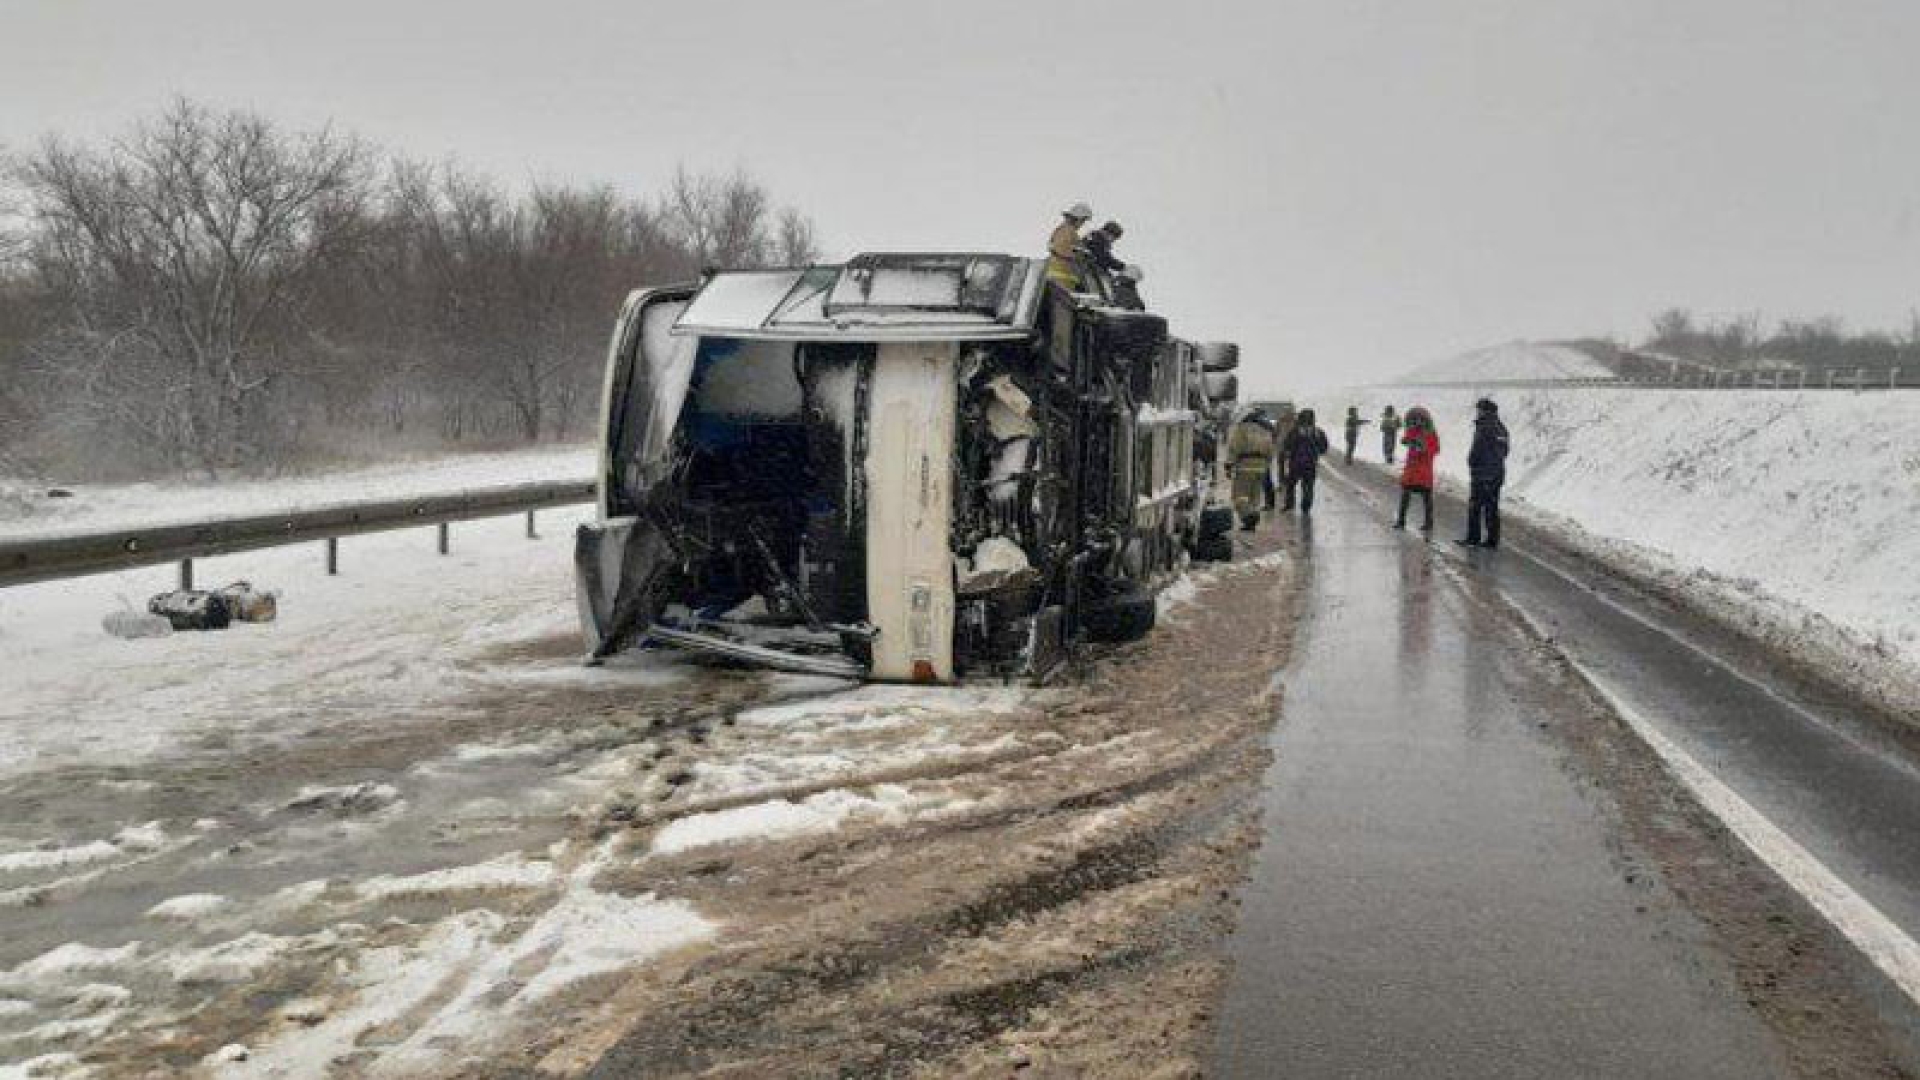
(910,467)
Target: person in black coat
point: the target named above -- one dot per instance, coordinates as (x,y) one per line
(1099,244)
(1301,450)
(1487,466)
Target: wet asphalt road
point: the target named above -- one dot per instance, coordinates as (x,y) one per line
(1815,766)
(1435,896)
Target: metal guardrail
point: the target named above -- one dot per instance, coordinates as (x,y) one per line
(54,557)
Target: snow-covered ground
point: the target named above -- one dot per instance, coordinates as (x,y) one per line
(27,511)
(389,794)
(1517,361)
(1800,506)
(392,630)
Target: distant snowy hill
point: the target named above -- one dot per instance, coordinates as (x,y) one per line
(1517,361)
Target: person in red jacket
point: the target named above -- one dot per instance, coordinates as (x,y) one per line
(1423,445)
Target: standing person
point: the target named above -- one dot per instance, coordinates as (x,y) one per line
(1487,464)
(1249,456)
(1063,247)
(1276,465)
(1301,450)
(1423,445)
(1389,433)
(1354,424)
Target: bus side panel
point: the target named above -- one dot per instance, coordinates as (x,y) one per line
(909,468)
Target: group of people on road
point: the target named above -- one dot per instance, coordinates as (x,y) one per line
(1256,449)
(1083,262)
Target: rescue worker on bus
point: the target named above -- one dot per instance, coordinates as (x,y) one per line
(1126,288)
(1063,247)
(1250,446)
(1099,244)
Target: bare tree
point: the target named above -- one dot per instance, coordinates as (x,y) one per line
(212,291)
(180,260)
(794,241)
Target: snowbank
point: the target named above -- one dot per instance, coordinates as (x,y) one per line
(1517,361)
(1799,506)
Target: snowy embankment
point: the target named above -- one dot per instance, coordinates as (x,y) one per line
(1517,361)
(1797,514)
(28,511)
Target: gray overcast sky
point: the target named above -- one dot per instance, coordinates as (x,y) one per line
(1345,187)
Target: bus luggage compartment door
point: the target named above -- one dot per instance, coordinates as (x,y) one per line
(909,468)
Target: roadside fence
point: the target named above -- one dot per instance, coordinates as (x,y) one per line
(54,557)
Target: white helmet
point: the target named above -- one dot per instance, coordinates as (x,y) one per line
(1079,211)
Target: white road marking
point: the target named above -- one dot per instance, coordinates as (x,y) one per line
(1878,938)
(1875,935)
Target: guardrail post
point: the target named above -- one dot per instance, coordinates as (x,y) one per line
(443,530)
(1803,378)
(1830,378)
(333,556)
(1859,379)
(1893,379)
(186,573)
(531,534)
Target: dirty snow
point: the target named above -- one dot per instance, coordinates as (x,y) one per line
(132,840)
(818,813)
(70,959)
(506,872)
(189,907)
(1517,361)
(471,971)
(1790,501)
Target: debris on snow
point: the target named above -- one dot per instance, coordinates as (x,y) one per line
(345,800)
(996,564)
(249,604)
(133,625)
(192,609)
(231,1052)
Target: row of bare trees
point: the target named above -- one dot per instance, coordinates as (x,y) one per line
(214,292)
(1744,343)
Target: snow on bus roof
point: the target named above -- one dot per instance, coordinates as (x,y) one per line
(873,297)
